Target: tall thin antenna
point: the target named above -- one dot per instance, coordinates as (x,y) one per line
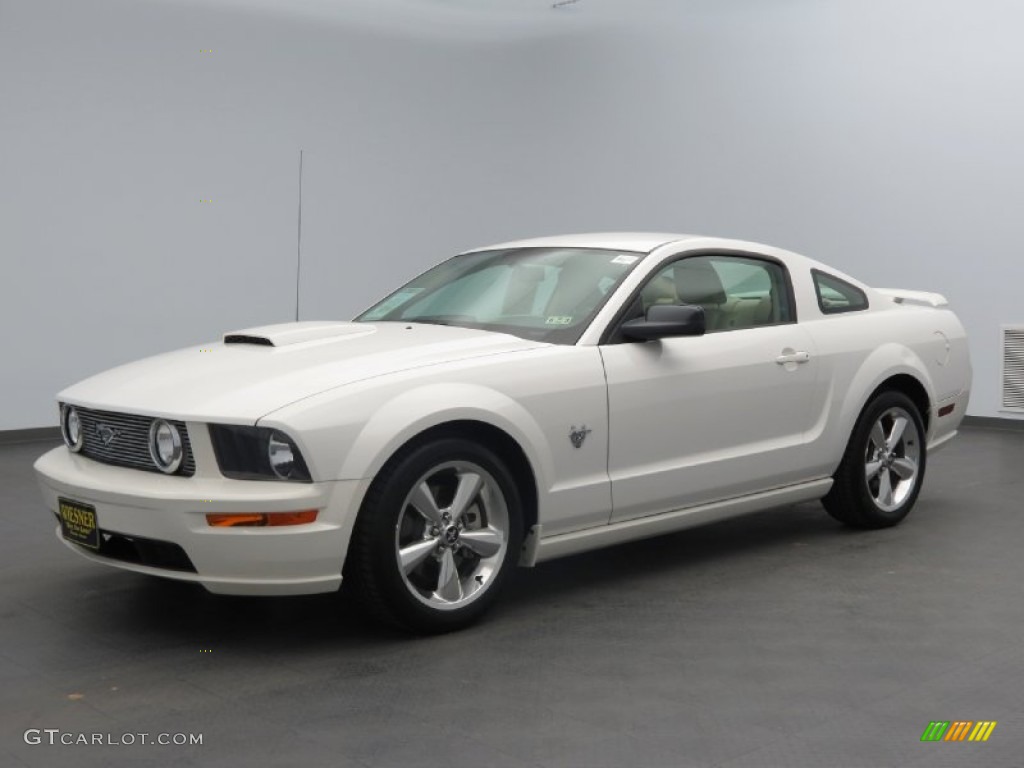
(298,245)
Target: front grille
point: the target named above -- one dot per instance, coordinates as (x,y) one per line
(130,446)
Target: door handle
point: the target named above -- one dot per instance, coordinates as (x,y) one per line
(793,357)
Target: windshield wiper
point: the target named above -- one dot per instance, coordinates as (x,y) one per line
(443,320)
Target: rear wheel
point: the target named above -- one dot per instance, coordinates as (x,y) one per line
(882,470)
(437,536)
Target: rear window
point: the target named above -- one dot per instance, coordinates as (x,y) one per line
(836,295)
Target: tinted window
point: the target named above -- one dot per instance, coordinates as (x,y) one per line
(736,292)
(835,295)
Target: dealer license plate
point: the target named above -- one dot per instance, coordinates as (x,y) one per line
(78,523)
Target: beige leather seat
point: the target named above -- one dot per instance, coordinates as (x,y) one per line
(522,290)
(576,292)
(697,282)
(661,290)
(747,312)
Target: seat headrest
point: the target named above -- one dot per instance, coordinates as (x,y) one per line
(697,282)
(576,283)
(661,290)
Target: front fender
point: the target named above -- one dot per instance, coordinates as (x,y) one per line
(348,433)
(350,437)
(401,418)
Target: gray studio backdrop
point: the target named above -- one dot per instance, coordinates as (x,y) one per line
(149,154)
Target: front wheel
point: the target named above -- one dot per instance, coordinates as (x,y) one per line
(438,533)
(882,470)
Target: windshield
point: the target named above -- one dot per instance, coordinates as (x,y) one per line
(547,294)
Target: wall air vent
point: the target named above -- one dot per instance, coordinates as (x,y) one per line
(1013,368)
(240,338)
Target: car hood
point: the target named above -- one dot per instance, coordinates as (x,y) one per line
(258,370)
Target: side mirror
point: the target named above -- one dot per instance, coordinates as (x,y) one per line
(665,320)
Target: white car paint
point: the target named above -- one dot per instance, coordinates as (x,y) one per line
(682,431)
(691,414)
(239,383)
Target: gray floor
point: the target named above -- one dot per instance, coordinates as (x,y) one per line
(772,640)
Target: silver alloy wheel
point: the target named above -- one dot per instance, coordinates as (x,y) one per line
(892,457)
(452,535)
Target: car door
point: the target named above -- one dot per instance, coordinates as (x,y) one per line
(700,418)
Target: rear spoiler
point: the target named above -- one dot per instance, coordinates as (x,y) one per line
(921,298)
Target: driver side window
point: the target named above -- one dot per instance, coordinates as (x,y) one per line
(736,292)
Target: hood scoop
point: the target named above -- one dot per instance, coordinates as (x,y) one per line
(242,338)
(286,334)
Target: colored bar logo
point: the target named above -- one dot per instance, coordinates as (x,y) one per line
(959,730)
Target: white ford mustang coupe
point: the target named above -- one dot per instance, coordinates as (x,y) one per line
(513,404)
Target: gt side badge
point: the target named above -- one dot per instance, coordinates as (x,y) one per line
(577,436)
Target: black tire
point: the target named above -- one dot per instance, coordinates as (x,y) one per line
(389,522)
(857,498)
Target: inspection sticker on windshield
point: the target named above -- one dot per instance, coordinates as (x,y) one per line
(624,259)
(559,320)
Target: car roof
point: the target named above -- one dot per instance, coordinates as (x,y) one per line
(643,242)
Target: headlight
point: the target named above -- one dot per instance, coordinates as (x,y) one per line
(257,453)
(71,428)
(281,453)
(165,446)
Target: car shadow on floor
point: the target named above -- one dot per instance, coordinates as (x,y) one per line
(179,610)
(770,533)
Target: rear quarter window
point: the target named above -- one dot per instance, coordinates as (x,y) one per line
(836,295)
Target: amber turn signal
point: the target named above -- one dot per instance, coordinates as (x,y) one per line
(261,518)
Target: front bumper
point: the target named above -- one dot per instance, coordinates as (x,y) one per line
(171,511)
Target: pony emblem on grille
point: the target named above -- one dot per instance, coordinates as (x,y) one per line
(106,433)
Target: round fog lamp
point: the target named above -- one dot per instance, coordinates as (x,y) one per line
(165,446)
(71,429)
(281,455)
